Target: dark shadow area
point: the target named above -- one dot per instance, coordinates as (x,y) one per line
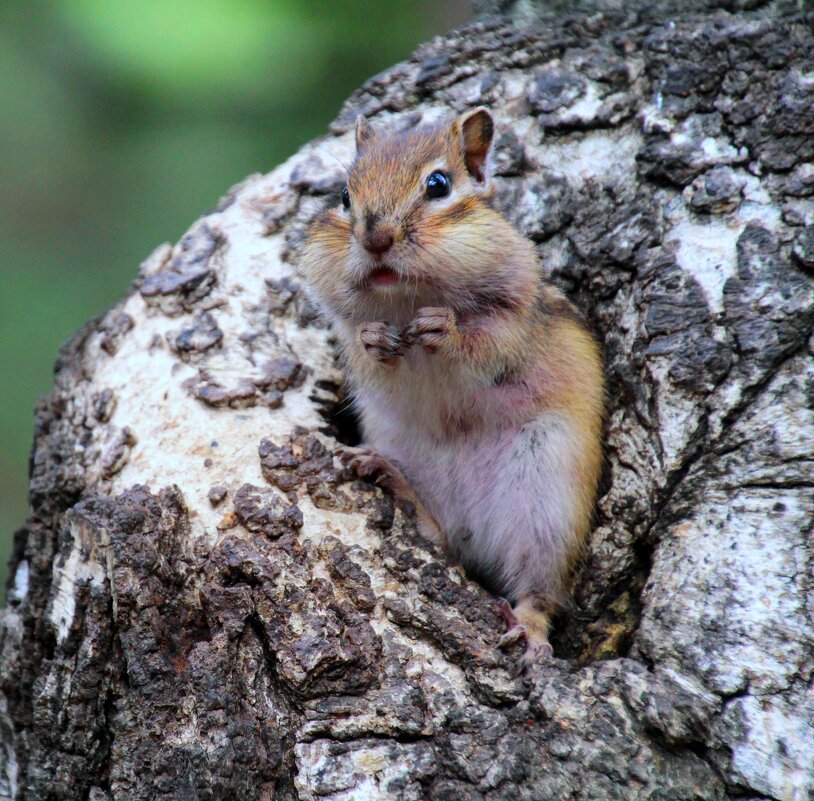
(342,422)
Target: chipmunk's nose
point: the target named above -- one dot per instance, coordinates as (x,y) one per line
(378,241)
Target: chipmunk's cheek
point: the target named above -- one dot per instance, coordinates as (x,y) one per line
(420,246)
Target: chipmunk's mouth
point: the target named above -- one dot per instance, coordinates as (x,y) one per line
(382,277)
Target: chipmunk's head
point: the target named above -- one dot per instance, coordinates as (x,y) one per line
(413,227)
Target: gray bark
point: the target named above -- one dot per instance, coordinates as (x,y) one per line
(205,605)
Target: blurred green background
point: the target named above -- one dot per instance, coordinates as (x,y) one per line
(123,120)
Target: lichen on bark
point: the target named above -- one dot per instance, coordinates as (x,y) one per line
(205,604)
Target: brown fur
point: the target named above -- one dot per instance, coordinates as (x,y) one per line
(469,292)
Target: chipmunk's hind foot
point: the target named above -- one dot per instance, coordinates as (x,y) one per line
(515,631)
(526,621)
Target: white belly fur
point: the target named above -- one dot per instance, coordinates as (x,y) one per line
(503,495)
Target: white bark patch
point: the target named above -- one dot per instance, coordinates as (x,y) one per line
(598,155)
(706,249)
(583,110)
(678,417)
(363,773)
(704,607)
(774,756)
(706,245)
(203,446)
(653,119)
(351,529)
(86,564)
(758,206)
(19,589)
(726,598)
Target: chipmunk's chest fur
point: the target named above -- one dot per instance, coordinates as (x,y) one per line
(426,397)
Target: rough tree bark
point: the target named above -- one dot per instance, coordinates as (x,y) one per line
(205,605)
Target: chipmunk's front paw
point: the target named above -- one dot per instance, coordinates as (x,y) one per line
(367,462)
(433,327)
(382,341)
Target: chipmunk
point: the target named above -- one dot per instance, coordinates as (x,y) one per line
(479,388)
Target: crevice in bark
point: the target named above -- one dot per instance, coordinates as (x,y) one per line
(256,627)
(342,421)
(286,771)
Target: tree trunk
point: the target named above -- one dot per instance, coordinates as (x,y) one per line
(205,605)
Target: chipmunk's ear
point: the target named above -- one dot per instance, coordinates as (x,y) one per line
(364,132)
(475,129)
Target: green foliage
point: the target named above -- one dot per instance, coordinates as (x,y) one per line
(123,120)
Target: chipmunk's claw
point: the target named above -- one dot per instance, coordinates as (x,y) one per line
(515,631)
(369,463)
(381,341)
(362,460)
(513,635)
(506,612)
(432,327)
(534,655)
(537,649)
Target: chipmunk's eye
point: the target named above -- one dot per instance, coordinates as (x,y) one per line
(438,185)
(345,197)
